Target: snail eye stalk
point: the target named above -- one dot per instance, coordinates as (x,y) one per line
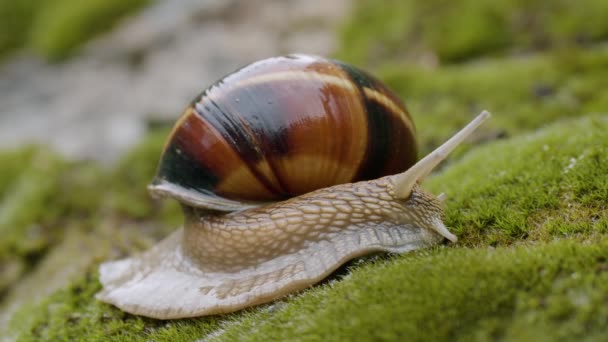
(404,182)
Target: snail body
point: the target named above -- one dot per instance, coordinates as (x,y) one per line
(244,244)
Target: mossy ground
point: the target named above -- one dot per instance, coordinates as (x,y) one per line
(449,31)
(527,197)
(526,93)
(55,29)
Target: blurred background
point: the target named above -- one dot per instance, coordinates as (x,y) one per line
(88,78)
(89,89)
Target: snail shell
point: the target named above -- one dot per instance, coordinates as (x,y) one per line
(278,189)
(283,127)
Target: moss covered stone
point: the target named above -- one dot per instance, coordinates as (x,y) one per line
(55,29)
(15,16)
(454,31)
(64,25)
(531,215)
(30,180)
(44,200)
(524,93)
(547,185)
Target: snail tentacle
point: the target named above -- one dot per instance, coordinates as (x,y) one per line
(404,182)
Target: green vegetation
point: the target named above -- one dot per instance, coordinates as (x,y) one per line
(527,197)
(16,17)
(42,196)
(526,93)
(453,31)
(93,321)
(54,35)
(30,180)
(55,29)
(541,187)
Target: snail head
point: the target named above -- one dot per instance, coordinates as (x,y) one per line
(423,207)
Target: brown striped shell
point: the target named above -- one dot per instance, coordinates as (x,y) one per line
(281,127)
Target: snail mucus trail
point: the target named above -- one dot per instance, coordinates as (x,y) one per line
(286,126)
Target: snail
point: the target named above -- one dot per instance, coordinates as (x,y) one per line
(285,170)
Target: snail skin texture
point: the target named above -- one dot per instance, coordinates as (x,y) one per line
(285,170)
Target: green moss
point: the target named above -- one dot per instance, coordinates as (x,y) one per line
(16,17)
(525,94)
(548,185)
(540,199)
(71,314)
(64,25)
(41,196)
(556,291)
(454,31)
(24,210)
(486,28)
(45,191)
(13,162)
(44,196)
(56,28)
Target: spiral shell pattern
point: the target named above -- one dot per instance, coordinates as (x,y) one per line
(285,126)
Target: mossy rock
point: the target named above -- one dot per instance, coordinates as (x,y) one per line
(525,94)
(451,31)
(532,219)
(55,29)
(16,17)
(548,185)
(64,25)
(43,197)
(31,178)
